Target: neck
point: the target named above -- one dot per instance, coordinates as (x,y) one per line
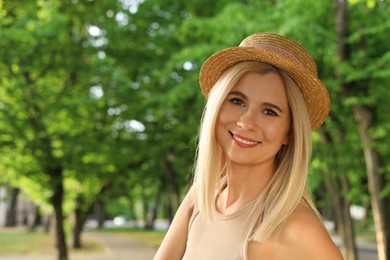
(244,183)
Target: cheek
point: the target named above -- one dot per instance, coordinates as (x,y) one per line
(219,133)
(277,131)
(228,115)
(222,127)
(223,113)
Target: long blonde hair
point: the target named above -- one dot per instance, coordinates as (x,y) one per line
(288,186)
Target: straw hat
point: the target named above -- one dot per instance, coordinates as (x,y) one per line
(281,52)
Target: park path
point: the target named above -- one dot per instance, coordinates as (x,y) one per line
(366,250)
(119,247)
(116,247)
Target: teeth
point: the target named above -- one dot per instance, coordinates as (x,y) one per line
(244,141)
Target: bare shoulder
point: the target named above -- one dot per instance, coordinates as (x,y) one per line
(303,231)
(174,242)
(189,199)
(303,236)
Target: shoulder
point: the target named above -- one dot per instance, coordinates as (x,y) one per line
(303,236)
(186,207)
(189,201)
(174,242)
(303,231)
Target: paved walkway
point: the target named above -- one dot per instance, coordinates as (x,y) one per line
(119,247)
(116,247)
(366,251)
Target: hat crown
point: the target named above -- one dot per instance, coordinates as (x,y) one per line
(284,46)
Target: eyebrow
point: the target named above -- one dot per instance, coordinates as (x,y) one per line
(267,104)
(238,93)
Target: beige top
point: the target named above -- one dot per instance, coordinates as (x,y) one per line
(221,239)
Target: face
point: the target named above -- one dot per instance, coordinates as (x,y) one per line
(254,120)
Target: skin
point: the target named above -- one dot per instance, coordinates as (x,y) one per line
(253,123)
(302,237)
(174,243)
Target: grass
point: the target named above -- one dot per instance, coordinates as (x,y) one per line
(150,237)
(18,241)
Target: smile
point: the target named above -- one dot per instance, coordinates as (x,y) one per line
(244,141)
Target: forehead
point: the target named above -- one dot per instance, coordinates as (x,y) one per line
(262,87)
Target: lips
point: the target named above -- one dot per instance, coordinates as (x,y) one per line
(244,141)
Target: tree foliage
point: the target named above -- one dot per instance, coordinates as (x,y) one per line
(107,91)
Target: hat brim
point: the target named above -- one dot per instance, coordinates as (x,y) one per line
(314,92)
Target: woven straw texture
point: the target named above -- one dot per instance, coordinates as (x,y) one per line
(282,53)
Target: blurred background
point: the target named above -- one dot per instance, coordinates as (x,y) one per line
(100,107)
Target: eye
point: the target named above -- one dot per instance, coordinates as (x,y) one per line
(270,112)
(236,101)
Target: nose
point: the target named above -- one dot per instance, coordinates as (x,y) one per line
(247,120)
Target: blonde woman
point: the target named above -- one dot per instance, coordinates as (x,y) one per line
(249,199)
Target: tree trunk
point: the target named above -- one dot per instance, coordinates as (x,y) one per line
(132,209)
(375,182)
(79,223)
(81,214)
(340,204)
(343,218)
(57,199)
(170,211)
(99,213)
(152,212)
(349,231)
(12,209)
(366,220)
(47,223)
(145,207)
(36,219)
(173,190)
(99,205)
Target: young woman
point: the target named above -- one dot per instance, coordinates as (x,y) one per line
(250,198)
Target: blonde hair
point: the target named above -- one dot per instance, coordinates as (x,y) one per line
(287,187)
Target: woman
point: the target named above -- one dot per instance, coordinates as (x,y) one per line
(250,199)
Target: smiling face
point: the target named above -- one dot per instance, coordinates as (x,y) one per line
(254,120)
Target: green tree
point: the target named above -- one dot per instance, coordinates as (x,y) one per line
(49,63)
(100,100)
(362,51)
